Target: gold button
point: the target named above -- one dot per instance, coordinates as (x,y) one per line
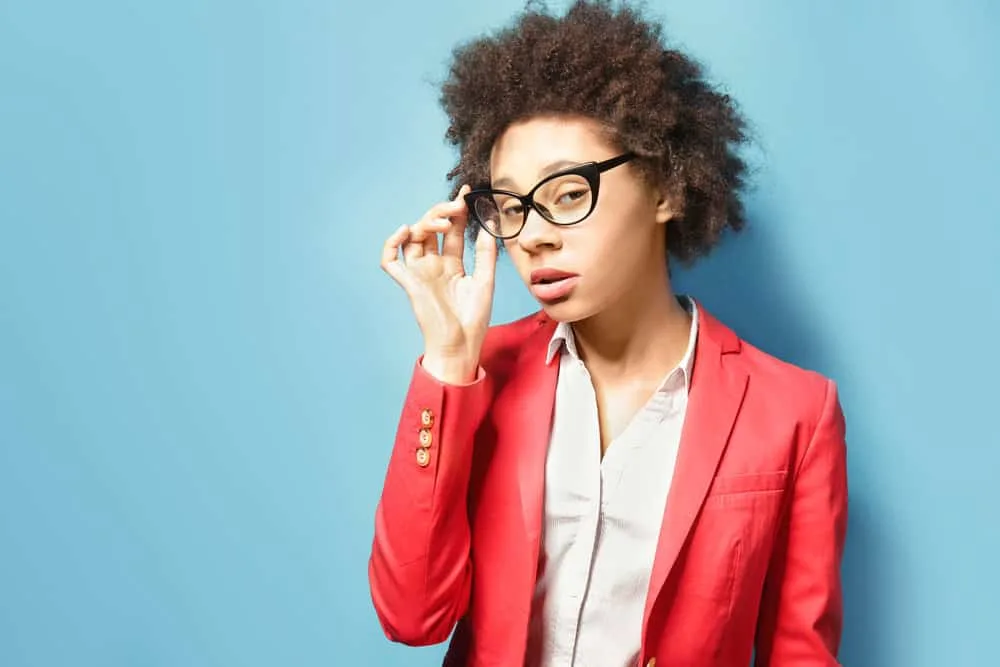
(426,418)
(425,438)
(423,458)
(651,662)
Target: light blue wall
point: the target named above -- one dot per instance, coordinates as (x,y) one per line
(201,363)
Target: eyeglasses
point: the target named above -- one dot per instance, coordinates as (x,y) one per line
(563,198)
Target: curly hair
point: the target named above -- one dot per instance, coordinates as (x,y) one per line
(611,65)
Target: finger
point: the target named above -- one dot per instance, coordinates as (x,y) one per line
(414,247)
(426,233)
(486,257)
(431,237)
(437,219)
(454,239)
(423,235)
(391,263)
(446,209)
(390,250)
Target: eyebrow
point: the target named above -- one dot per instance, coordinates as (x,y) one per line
(548,170)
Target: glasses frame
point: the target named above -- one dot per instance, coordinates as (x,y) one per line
(591,171)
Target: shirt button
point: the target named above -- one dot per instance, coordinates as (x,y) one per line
(427,418)
(425,438)
(423,458)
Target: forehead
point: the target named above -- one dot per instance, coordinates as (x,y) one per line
(531,149)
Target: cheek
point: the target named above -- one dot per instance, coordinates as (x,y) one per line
(616,245)
(605,243)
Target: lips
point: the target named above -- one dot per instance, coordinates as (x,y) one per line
(549,285)
(544,276)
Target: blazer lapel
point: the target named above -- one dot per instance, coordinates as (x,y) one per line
(533,393)
(716,394)
(525,407)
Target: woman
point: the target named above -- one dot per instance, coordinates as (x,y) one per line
(618,478)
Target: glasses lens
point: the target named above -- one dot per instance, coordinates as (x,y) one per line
(501,214)
(565,199)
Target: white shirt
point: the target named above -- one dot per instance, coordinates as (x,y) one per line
(602,518)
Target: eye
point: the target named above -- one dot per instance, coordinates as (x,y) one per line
(571,196)
(512,210)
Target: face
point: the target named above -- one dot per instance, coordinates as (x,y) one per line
(582,270)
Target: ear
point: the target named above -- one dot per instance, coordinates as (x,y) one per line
(669,203)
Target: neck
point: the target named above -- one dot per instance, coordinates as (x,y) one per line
(642,337)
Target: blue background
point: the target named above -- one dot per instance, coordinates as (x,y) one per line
(201,364)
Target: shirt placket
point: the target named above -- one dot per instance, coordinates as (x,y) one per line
(585,548)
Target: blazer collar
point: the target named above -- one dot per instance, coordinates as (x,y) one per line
(717,389)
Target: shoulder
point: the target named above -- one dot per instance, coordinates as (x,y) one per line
(776,386)
(778,375)
(802,393)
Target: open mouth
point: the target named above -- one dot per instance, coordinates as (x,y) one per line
(549,276)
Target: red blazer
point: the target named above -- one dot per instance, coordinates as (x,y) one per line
(753,531)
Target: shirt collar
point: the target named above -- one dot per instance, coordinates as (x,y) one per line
(563,339)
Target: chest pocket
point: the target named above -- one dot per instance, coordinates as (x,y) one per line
(736,520)
(747,489)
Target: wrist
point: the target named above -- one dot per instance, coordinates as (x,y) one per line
(450,369)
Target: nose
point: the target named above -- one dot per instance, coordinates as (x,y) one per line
(539,234)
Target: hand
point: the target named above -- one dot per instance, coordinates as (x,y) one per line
(452,308)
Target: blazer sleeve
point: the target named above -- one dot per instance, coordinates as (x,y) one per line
(801,613)
(419,571)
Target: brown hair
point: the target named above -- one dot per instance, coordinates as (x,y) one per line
(608,64)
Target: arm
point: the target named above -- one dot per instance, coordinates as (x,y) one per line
(419,571)
(801,609)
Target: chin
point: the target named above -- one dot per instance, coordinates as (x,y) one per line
(567,310)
